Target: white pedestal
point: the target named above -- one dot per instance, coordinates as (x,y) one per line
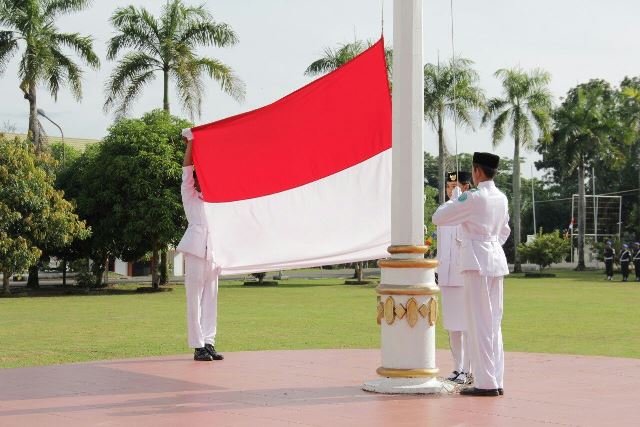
(404,386)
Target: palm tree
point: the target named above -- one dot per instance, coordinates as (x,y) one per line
(587,129)
(526,102)
(334,59)
(167,45)
(30,25)
(450,90)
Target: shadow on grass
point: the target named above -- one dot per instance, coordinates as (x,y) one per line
(297,285)
(74,291)
(591,275)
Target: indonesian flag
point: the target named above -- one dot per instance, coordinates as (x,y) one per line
(305,181)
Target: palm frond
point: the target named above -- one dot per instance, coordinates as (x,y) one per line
(333,59)
(208,34)
(188,79)
(526,132)
(137,29)
(82,45)
(499,125)
(53,8)
(132,66)
(62,70)
(8,48)
(134,88)
(224,75)
(12,15)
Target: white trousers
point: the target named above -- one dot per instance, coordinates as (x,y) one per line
(484,318)
(459,342)
(201,287)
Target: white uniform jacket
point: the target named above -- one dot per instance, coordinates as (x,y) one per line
(483,216)
(197,239)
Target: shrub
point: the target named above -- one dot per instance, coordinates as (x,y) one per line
(545,249)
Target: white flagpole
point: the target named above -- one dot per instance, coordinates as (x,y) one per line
(407,308)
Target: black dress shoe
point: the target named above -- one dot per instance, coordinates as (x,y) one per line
(472,391)
(202,355)
(213,353)
(501,391)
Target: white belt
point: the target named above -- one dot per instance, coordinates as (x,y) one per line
(481,237)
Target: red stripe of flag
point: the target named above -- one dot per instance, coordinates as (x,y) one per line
(333,123)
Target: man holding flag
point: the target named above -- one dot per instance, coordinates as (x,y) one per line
(201,272)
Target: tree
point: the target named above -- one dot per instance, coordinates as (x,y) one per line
(81,183)
(34,216)
(131,192)
(450,91)
(334,59)
(526,101)
(168,44)
(66,157)
(31,25)
(64,154)
(545,249)
(587,130)
(630,111)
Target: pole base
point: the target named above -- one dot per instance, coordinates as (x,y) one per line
(404,386)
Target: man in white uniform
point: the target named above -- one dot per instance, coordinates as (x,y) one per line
(483,216)
(451,285)
(201,272)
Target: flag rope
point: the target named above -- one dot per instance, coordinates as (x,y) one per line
(454,70)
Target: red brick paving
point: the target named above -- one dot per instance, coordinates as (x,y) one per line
(312,388)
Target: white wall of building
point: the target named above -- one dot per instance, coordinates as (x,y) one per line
(121,267)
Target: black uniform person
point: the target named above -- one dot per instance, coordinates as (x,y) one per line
(625,259)
(609,255)
(636,260)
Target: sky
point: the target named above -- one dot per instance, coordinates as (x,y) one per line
(574,40)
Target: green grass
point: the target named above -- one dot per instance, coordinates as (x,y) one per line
(576,313)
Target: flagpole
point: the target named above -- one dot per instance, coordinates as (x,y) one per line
(407,304)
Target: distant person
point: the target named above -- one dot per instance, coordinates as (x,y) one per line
(609,257)
(201,272)
(636,260)
(625,260)
(483,217)
(451,284)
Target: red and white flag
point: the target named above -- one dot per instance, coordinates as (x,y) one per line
(305,181)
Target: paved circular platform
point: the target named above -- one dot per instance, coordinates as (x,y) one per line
(316,388)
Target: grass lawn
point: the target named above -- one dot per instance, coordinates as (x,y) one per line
(576,313)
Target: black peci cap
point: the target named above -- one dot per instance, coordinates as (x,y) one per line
(464,177)
(461,177)
(486,159)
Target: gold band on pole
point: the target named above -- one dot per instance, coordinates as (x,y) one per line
(407,373)
(407,263)
(407,290)
(407,249)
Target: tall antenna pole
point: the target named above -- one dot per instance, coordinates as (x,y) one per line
(382,18)
(533,198)
(454,70)
(595,205)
